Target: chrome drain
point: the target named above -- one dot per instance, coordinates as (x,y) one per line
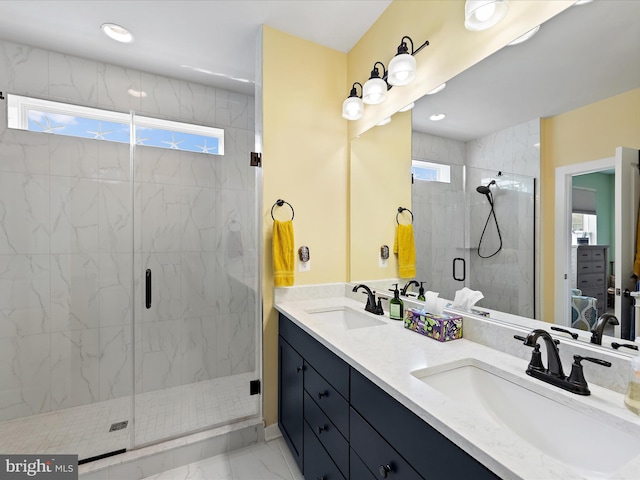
(118,426)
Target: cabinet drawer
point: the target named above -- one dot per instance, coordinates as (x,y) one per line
(376,453)
(597,267)
(328,435)
(357,469)
(327,363)
(406,431)
(328,398)
(597,255)
(585,267)
(590,280)
(584,254)
(317,462)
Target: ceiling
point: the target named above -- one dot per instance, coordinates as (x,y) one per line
(212,42)
(585,54)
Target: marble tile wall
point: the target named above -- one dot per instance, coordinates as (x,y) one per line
(446,229)
(74,249)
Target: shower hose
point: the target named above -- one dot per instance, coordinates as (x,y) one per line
(492,212)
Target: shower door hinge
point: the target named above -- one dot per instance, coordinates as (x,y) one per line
(254,387)
(256,159)
(1,96)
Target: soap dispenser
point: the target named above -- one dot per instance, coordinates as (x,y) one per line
(396,306)
(421,292)
(632,398)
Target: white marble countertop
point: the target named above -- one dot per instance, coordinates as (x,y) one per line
(386,354)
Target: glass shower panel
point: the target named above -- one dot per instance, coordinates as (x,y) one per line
(507,276)
(439,228)
(66,303)
(196,288)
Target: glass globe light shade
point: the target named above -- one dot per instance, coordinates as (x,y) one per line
(374,91)
(483,14)
(353,108)
(402,70)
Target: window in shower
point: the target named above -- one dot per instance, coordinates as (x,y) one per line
(37,115)
(430,172)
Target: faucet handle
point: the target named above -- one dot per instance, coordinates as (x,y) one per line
(576,376)
(536,357)
(564,330)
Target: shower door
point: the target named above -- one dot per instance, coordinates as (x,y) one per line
(502,267)
(195,266)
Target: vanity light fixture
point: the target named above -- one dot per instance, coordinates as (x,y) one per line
(581,2)
(383,122)
(408,107)
(483,14)
(437,116)
(439,88)
(117,32)
(375,89)
(137,93)
(353,107)
(402,68)
(525,37)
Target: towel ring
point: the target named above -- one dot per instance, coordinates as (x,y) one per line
(280,203)
(400,210)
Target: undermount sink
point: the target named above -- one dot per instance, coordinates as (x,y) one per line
(572,437)
(346,317)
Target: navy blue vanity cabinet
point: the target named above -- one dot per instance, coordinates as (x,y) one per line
(318,403)
(291,400)
(422,447)
(357,469)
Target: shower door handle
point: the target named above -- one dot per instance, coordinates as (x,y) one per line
(148,288)
(464,269)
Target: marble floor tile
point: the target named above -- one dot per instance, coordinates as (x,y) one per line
(268,460)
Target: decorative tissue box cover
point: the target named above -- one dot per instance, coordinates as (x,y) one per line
(439,327)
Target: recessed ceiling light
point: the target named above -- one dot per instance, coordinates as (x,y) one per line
(439,88)
(437,116)
(117,32)
(536,145)
(525,37)
(408,107)
(383,122)
(137,93)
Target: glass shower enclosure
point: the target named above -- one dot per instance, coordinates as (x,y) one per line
(467,237)
(128,281)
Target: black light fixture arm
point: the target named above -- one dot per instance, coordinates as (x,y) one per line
(375,73)
(402,48)
(354,92)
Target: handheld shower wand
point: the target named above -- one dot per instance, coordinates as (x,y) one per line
(486,190)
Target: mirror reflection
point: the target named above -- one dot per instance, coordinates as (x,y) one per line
(478,223)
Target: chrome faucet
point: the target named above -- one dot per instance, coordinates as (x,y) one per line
(552,373)
(371,305)
(598,329)
(403,292)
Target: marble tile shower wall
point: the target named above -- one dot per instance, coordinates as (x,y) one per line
(66,223)
(442,228)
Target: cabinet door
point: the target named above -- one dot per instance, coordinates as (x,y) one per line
(290,398)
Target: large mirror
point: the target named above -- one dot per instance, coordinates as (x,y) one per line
(490,143)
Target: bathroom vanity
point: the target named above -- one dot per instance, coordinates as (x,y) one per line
(357,401)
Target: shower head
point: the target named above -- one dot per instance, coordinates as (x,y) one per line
(485,190)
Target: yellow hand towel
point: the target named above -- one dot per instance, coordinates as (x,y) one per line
(283,256)
(404,245)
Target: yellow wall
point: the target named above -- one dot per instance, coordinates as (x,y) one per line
(588,133)
(380,182)
(305,163)
(306,142)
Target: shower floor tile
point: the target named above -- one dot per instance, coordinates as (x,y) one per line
(162,414)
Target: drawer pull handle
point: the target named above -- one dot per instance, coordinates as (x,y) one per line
(323,477)
(384,470)
(323,394)
(298,369)
(324,428)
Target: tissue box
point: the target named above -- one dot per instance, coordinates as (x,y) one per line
(439,327)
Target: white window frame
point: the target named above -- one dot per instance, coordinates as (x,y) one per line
(443,171)
(18,108)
